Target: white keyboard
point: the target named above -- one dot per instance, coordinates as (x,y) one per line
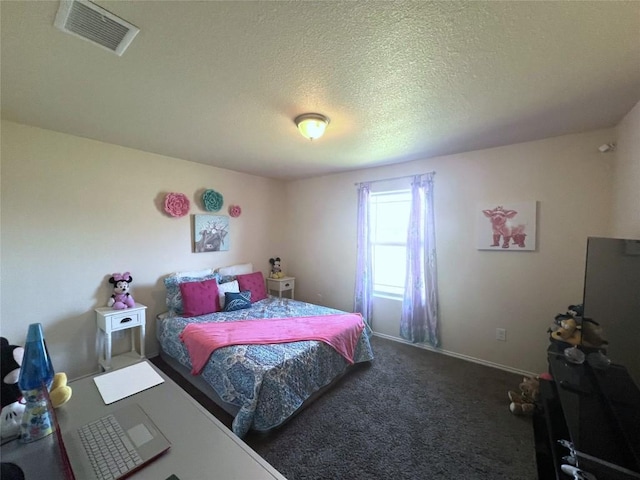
(110,451)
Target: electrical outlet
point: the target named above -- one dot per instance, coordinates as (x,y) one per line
(501,334)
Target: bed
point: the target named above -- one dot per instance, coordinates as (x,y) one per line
(260,385)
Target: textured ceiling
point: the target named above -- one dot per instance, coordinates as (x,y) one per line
(221,82)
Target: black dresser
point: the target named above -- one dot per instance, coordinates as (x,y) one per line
(597,410)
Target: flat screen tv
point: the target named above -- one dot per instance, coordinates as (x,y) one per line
(612,297)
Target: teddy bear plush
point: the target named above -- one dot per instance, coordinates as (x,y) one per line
(121,298)
(10,396)
(276,269)
(523,403)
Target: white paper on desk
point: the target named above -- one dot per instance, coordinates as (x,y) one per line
(122,383)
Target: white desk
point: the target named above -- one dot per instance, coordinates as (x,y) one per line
(202,447)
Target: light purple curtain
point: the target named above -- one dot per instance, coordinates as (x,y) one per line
(419,320)
(363,298)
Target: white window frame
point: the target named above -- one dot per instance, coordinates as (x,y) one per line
(393,291)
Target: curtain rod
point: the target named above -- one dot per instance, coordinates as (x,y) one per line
(395,178)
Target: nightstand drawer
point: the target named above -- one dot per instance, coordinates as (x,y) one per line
(286,286)
(124,320)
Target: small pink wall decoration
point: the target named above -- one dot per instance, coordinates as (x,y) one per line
(176,204)
(235,211)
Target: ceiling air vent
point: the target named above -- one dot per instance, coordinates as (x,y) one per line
(91,22)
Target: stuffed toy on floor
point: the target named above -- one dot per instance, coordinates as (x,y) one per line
(523,403)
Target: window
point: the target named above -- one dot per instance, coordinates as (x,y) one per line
(389,225)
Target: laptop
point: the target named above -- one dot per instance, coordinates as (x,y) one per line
(113,446)
(70,455)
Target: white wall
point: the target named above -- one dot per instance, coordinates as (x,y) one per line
(479,290)
(626,194)
(76,210)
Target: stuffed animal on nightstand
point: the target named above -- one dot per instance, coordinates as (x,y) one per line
(121,297)
(276,269)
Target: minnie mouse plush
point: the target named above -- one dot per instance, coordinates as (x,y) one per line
(121,297)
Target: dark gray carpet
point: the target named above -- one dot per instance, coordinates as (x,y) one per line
(410,414)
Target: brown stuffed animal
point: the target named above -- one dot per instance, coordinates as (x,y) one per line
(588,333)
(523,403)
(568,332)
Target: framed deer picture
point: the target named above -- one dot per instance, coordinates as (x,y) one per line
(210,233)
(506,227)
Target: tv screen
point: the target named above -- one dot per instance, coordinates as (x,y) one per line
(612,297)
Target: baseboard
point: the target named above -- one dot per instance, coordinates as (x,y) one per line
(456,355)
(436,350)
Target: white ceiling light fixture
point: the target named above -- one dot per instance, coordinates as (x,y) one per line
(312,125)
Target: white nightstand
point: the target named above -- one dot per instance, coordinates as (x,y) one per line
(109,321)
(281,285)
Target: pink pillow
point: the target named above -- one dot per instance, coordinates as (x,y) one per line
(199,298)
(254,282)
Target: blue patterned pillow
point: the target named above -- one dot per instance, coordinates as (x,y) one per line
(237,301)
(174,297)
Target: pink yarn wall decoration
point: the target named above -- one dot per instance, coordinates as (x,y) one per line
(176,204)
(235,211)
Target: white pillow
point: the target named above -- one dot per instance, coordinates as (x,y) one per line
(232,287)
(240,269)
(193,273)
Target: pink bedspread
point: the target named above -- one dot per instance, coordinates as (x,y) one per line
(341,331)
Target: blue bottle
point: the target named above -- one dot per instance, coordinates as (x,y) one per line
(36,376)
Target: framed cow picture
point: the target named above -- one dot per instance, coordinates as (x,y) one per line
(506,227)
(210,233)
